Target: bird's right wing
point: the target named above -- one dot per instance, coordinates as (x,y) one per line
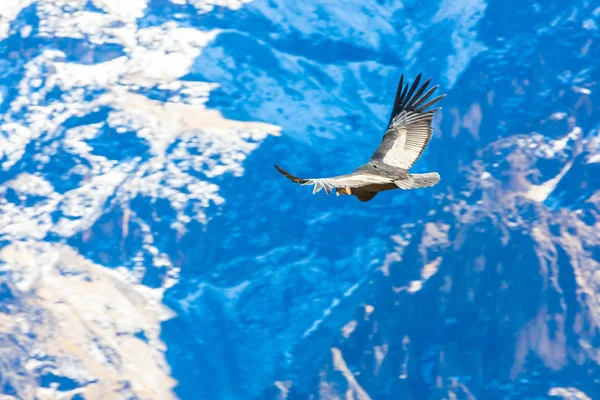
(409,129)
(352,181)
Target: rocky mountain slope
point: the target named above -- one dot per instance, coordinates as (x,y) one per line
(150,250)
(103,149)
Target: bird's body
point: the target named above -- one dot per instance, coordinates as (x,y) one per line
(405,139)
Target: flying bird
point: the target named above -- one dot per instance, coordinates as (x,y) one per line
(408,133)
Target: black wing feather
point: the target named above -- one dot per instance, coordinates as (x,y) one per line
(412,90)
(417,95)
(411,100)
(432,102)
(290,176)
(418,102)
(398,99)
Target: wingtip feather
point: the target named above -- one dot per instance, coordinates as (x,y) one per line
(291,177)
(318,187)
(412,96)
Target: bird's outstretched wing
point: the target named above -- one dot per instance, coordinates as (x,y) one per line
(409,129)
(351,181)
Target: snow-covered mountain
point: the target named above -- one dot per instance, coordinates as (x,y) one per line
(149,250)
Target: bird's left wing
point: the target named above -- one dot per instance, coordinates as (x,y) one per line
(409,129)
(352,181)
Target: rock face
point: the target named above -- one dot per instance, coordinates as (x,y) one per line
(504,304)
(150,250)
(105,151)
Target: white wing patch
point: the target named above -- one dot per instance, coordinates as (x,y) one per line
(414,132)
(347,181)
(395,155)
(409,129)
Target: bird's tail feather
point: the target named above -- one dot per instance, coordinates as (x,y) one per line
(415,181)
